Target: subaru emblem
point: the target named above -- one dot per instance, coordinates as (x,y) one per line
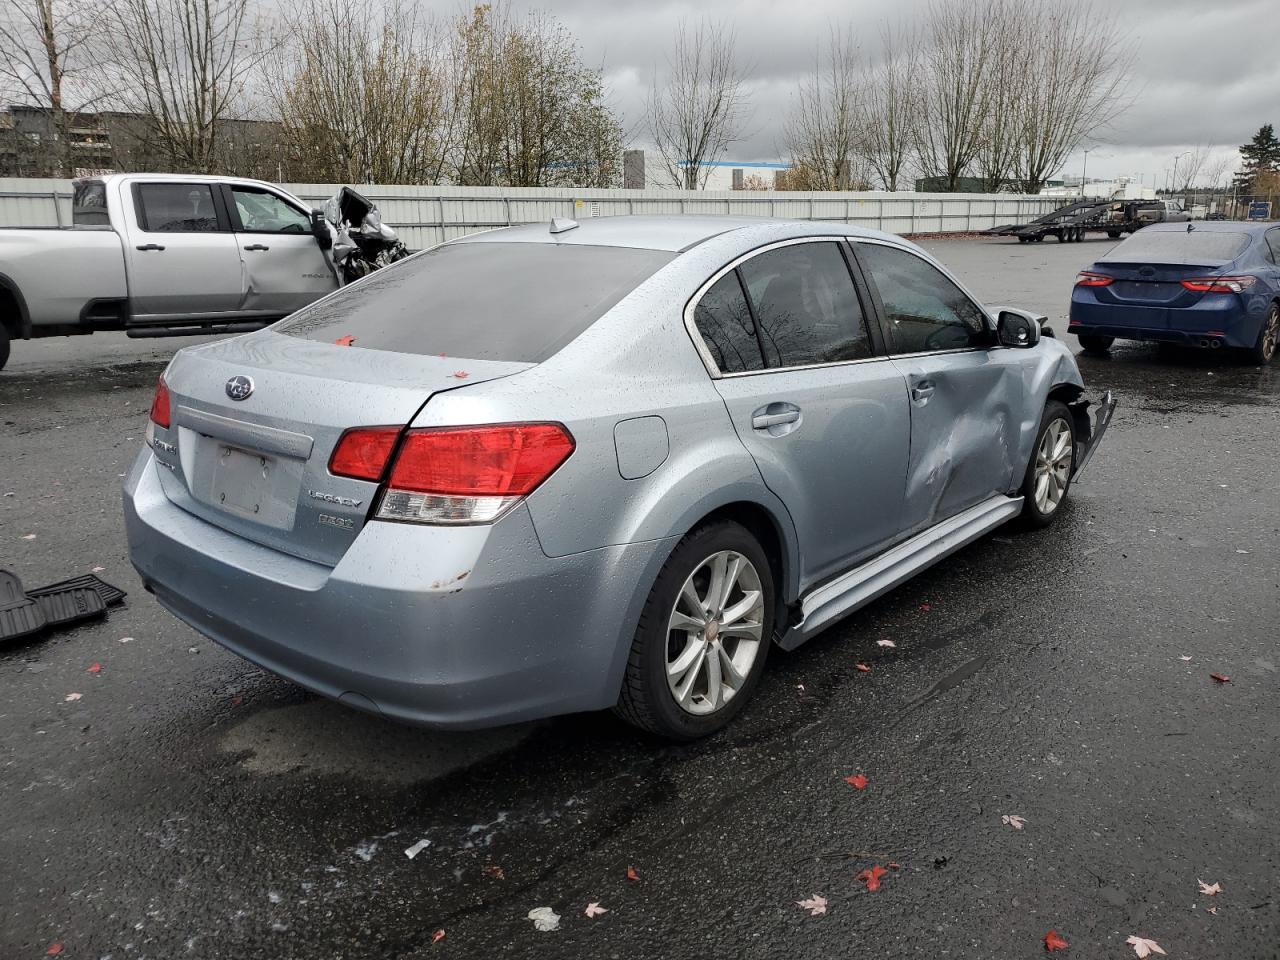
(239,387)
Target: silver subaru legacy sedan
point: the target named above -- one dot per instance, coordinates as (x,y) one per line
(552,469)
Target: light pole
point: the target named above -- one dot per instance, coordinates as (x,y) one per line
(1173,180)
(1084,174)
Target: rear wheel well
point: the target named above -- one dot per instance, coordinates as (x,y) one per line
(764,528)
(10,312)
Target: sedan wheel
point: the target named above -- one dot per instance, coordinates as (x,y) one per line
(1268,337)
(714,632)
(703,636)
(1048,476)
(1054,457)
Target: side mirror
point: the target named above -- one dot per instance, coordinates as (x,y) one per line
(1017,328)
(320,229)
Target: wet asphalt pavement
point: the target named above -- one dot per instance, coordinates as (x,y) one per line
(190,805)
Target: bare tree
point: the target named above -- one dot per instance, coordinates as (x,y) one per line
(47,59)
(1191,164)
(1012,25)
(1073,83)
(824,130)
(187,63)
(953,94)
(697,109)
(363,94)
(1215,171)
(889,114)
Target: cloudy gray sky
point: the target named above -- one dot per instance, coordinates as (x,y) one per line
(1205,73)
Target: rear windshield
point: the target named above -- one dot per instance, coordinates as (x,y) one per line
(1179,246)
(481,301)
(89,204)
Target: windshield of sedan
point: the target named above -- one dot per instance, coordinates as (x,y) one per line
(1179,246)
(481,301)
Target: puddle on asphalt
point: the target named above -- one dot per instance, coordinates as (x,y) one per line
(323,738)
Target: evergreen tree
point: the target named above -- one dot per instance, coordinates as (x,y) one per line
(1261,155)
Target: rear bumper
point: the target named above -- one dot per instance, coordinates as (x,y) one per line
(1219,320)
(447,627)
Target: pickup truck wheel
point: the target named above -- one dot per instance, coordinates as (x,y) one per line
(1048,476)
(703,636)
(4,346)
(1093,343)
(1268,337)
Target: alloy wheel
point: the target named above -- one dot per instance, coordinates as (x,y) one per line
(1271,333)
(714,632)
(1054,458)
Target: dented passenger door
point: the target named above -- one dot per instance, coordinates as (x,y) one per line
(966,395)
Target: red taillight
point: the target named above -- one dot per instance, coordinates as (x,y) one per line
(1087,278)
(160,404)
(471,474)
(363,453)
(1219,284)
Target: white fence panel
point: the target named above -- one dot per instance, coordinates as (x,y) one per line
(424,215)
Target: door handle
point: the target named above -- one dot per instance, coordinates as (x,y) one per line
(763,421)
(150,246)
(257,246)
(922,391)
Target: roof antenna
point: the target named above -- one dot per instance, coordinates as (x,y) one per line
(563,224)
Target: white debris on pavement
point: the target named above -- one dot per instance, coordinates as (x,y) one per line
(417,848)
(545,919)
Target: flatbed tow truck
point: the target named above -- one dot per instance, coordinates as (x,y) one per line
(1069,224)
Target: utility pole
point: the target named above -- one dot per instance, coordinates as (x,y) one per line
(1084,174)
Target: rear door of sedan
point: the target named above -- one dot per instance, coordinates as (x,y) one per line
(967,400)
(789,338)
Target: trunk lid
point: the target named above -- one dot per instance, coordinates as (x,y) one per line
(1151,284)
(258,466)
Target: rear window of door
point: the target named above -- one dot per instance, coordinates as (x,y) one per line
(260,211)
(724,321)
(805,305)
(926,311)
(481,301)
(1273,244)
(176,208)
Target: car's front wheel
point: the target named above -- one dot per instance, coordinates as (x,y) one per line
(703,635)
(1268,337)
(1093,343)
(1048,476)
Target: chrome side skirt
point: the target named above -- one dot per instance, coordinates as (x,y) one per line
(861,585)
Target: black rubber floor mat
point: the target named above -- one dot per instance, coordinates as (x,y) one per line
(71,606)
(110,595)
(20,616)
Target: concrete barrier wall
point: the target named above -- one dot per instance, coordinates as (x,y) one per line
(427,215)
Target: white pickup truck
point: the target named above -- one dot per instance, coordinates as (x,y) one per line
(163,255)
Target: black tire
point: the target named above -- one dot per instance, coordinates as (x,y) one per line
(1033,515)
(1113,234)
(1093,343)
(646,700)
(4,346)
(1262,352)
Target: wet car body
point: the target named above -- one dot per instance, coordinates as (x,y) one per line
(1207,285)
(850,474)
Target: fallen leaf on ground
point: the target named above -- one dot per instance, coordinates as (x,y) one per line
(1053,941)
(594,910)
(816,905)
(97,569)
(1214,911)
(1221,678)
(1184,658)
(545,919)
(32,536)
(345,341)
(924,606)
(417,848)
(857,781)
(631,874)
(96,668)
(885,643)
(495,871)
(872,877)
(460,374)
(437,936)
(894,866)
(862,667)
(54,949)
(72,696)
(1210,889)
(124,639)
(1144,947)
(1014,821)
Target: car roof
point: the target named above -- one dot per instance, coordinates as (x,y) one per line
(1213,226)
(673,232)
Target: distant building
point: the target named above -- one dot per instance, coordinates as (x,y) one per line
(642,170)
